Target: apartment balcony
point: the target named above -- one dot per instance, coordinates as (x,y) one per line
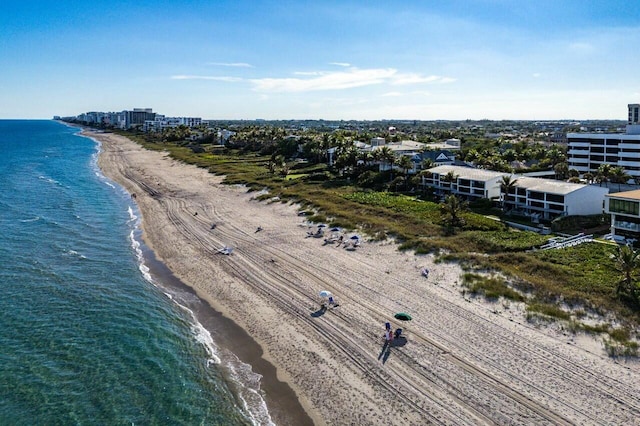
(574,151)
(628,163)
(627,226)
(629,154)
(579,144)
(578,160)
(530,208)
(629,145)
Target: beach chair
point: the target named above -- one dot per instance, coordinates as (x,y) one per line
(225,250)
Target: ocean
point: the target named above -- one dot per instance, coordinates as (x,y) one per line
(88,335)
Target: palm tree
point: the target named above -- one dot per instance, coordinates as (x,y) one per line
(589,177)
(627,261)
(604,173)
(386,155)
(451,209)
(427,163)
(405,163)
(506,185)
(561,170)
(449,178)
(619,175)
(424,174)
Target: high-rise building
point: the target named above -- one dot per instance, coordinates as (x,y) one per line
(137,117)
(586,152)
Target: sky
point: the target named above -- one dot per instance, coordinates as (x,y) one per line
(333,60)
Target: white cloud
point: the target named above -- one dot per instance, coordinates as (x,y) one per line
(309,73)
(232,64)
(326,81)
(206,77)
(413,78)
(392,94)
(341,64)
(535,75)
(308,81)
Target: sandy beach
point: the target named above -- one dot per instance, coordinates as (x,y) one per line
(463,361)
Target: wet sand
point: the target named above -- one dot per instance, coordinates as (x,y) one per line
(283,404)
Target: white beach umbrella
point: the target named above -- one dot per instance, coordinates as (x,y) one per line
(325,293)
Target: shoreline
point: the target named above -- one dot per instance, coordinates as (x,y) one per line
(462,361)
(283,405)
(281,400)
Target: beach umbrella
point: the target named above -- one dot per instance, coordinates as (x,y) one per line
(335,229)
(322,225)
(402,316)
(325,293)
(355,237)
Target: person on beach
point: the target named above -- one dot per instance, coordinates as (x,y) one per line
(213,226)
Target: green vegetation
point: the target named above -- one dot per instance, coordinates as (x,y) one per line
(549,310)
(491,287)
(355,194)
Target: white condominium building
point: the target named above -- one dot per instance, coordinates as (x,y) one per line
(586,152)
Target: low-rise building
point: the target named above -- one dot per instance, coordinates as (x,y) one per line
(467,182)
(534,197)
(548,198)
(624,208)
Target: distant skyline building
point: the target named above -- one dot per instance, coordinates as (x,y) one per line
(586,152)
(137,117)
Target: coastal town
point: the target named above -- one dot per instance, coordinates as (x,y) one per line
(336,213)
(535,170)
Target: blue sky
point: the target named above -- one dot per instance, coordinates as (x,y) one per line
(428,60)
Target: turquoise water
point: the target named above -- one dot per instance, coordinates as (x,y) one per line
(86,335)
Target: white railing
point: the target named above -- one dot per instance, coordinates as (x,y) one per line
(574,240)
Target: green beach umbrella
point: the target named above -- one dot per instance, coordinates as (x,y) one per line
(402,316)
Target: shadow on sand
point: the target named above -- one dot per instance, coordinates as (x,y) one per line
(385,352)
(320,312)
(399,341)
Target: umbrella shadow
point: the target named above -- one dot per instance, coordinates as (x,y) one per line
(320,312)
(399,341)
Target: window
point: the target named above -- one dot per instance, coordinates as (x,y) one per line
(624,206)
(536,195)
(555,198)
(556,207)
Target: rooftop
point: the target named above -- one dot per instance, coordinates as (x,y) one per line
(547,185)
(633,195)
(468,172)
